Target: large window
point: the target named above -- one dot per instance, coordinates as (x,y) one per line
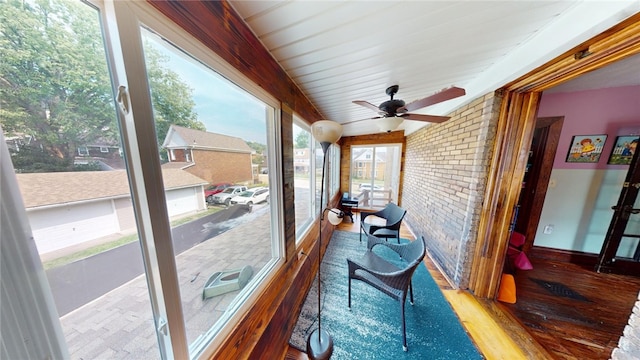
(304,177)
(139,264)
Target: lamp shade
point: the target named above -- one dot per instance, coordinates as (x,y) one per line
(389,124)
(326,131)
(335,216)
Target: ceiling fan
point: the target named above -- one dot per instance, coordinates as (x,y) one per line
(396,111)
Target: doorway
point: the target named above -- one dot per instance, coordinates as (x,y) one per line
(375,173)
(536,179)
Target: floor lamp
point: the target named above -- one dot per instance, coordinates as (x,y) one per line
(320,343)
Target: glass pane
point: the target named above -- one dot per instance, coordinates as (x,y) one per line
(629,245)
(375,174)
(303,177)
(209,132)
(61,125)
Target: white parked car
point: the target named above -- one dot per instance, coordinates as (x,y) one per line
(251,196)
(225,196)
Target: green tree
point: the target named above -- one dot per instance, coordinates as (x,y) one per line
(260,153)
(172,99)
(55,84)
(302,140)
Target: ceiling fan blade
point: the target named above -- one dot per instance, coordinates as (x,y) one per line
(427,118)
(369,105)
(444,95)
(357,121)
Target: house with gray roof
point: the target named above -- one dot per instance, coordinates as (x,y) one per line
(213,157)
(66,209)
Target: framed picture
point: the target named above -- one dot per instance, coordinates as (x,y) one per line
(623,150)
(586,148)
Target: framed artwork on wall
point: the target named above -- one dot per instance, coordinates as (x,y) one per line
(623,150)
(586,148)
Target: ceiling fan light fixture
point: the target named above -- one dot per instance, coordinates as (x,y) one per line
(388,124)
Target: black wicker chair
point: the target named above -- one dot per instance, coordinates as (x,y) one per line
(390,279)
(392,213)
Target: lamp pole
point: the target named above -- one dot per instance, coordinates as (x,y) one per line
(320,343)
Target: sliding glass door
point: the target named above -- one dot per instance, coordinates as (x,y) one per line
(375,174)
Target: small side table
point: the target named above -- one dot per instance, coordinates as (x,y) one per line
(348,204)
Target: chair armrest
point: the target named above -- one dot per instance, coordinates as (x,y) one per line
(374,228)
(364,214)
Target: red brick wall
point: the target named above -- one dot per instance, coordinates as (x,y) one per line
(445,172)
(218,166)
(179,155)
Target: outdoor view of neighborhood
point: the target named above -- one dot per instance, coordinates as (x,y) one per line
(60,125)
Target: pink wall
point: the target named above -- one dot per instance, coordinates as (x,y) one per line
(613,111)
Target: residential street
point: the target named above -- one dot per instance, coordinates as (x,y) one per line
(80,282)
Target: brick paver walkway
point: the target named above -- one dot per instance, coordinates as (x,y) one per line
(119,324)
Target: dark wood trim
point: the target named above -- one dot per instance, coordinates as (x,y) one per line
(515,130)
(616,43)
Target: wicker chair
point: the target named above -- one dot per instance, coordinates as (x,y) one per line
(390,279)
(392,213)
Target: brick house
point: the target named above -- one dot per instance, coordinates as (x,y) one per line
(210,156)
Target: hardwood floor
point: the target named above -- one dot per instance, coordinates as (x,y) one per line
(582,321)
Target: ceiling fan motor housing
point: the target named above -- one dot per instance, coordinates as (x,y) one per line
(389,107)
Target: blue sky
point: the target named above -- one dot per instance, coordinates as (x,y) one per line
(222,106)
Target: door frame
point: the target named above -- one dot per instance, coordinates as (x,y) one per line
(516,124)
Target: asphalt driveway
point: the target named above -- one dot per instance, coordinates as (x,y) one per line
(82,281)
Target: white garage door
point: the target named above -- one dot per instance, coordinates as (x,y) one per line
(60,227)
(181,201)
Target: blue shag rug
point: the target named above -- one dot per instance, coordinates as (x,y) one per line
(372,328)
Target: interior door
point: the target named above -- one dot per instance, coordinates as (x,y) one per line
(536,179)
(621,249)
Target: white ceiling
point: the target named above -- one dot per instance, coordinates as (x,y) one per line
(340,51)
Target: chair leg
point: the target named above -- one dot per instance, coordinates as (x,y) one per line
(349,292)
(410,293)
(361,233)
(404,329)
